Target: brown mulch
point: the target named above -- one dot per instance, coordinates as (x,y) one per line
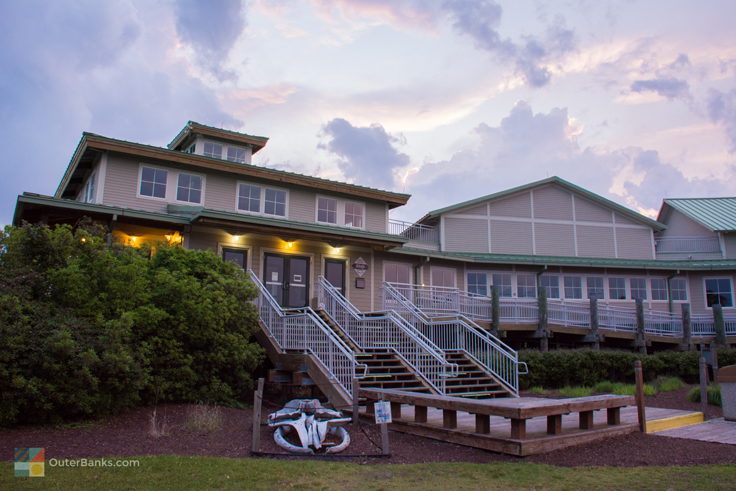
(128,434)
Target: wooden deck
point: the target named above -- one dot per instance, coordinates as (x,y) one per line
(516,426)
(716,430)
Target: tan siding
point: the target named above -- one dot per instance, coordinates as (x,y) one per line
(511,237)
(375,217)
(554,239)
(475,210)
(220,192)
(620,219)
(514,206)
(595,241)
(466,234)
(361,298)
(634,243)
(678,225)
(587,211)
(552,202)
(302,205)
(121,184)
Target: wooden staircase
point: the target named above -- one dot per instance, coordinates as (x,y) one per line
(386,370)
(472,381)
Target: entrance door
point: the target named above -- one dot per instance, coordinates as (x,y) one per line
(236,256)
(335,273)
(287,278)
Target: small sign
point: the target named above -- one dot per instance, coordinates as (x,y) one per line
(360,267)
(297,278)
(382,411)
(274,276)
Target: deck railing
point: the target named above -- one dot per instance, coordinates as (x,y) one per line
(457,332)
(686,245)
(387,330)
(414,232)
(302,329)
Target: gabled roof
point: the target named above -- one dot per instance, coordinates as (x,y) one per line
(551,180)
(91,144)
(715,214)
(192,127)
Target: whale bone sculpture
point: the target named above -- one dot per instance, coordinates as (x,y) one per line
(312,423)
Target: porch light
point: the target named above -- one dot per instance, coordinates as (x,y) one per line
(168,237)
(289,245)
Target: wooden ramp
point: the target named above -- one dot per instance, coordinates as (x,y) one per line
(516,426)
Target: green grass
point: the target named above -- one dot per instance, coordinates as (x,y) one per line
(713,395)
(173,472)
(576,391)
(537,390)
(623,389)
(666,384)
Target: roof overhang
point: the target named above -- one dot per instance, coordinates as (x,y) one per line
(194,128)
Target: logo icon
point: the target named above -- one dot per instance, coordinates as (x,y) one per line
(29,462)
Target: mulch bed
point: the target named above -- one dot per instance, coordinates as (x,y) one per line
(128,434)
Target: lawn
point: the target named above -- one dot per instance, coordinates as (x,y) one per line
(173,472)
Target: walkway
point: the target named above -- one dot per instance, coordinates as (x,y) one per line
(716,430)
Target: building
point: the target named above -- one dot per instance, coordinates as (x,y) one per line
(291,229)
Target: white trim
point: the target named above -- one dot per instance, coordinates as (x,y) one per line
(262,199)
(102,174)
(490,235)
(574,225)
(340,205)
(169,173)
(201,191)
(615,235)
(705,295)
(247,248)
(533,222)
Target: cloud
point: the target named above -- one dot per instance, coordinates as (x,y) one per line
(528,146)
(531,58)
(671,88)
(721,108)
(211,29)
(367,154)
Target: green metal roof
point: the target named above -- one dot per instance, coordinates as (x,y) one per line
(551,180)
(716,214)
(685,265)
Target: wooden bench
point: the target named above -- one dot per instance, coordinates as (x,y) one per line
(518,410)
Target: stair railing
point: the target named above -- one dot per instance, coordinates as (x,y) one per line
(370,330)
(457,332)
(302,329)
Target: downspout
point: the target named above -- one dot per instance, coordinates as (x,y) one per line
(417,270)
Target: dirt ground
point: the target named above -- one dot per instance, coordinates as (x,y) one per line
(129,434)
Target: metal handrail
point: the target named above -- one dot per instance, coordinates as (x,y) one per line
(387,330)
(302,329)
(457,332)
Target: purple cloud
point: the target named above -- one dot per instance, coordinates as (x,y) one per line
(367,154)
(721,108)
(211,28)
(671,88)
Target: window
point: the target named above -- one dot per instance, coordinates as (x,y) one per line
(595,287)
(659,289)
(236,154)
(718,292)
(89,190)
(617,288)
(478,283)
(526,286)
(551,286)
(275,202)
(236,256)
(353,214)
(678,288)
(249,198)
(189,188)
(502,281)
(327,210)
(153,182)
(573,287)
(638,288)
(212,150)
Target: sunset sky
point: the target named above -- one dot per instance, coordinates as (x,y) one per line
(445,100)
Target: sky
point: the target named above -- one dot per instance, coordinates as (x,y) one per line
(446,100)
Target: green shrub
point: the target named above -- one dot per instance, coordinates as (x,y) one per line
(537,390)
(576,391)
(666,384)
(89,329)
(713,394)
(605,386)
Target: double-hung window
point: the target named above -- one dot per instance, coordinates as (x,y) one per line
(718,291)
(236,154)
(617,288)
(253,198)
(327,210)
(478,283)
(153,182)
(659,288)
(353,214)
(573,287)
(550,285)
(638,288)
(212,150)
(502,282)
(189,188)
(595,287)
(678,289)
(90,189)
(526,285)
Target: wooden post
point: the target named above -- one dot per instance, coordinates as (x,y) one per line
(594,338)
(257,403)
(543,327)
(719,325)
(641,336)
(384,437)
(356,408)
(639,373)
(495,312)
(704,387)
(687,331)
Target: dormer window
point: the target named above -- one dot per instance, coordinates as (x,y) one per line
(212,150)
(236,154)
(153,182)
